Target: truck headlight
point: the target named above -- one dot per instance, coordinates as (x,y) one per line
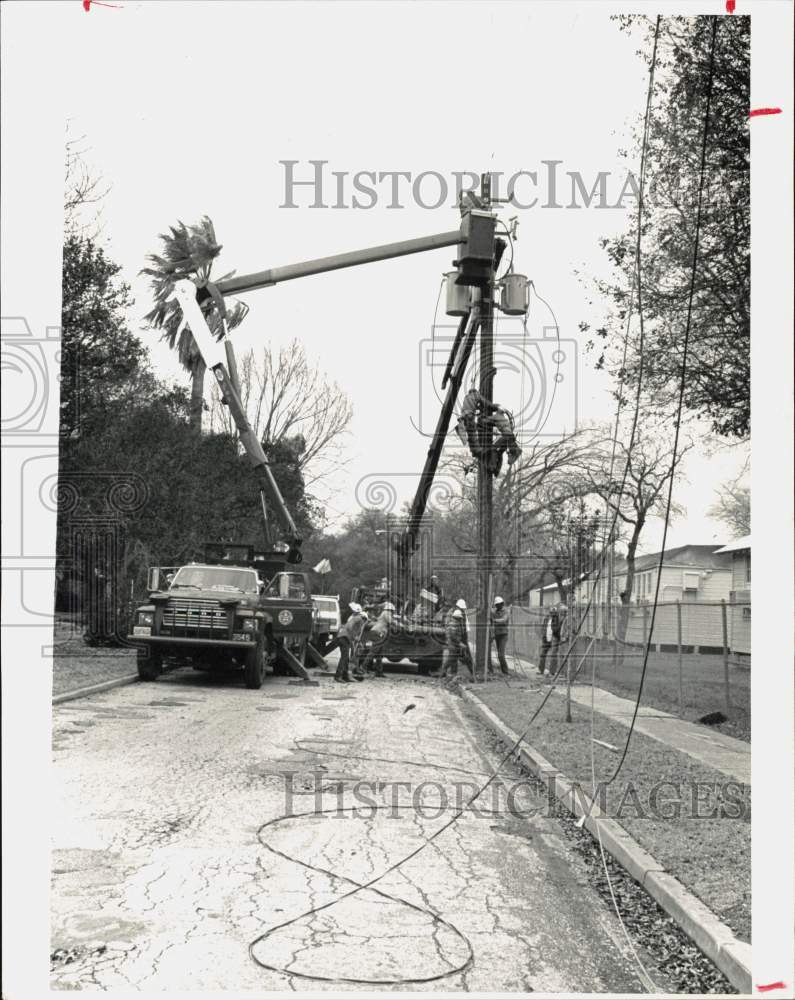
(146,617)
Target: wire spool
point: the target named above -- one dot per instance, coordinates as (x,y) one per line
(515,295)
(456,296)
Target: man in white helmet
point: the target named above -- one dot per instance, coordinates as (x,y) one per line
(499,631)
(378,632)
(456,649)
(347,640)
(461,605)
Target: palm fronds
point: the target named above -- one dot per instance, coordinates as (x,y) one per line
(187,252)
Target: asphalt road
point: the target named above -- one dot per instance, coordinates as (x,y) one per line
(187,829)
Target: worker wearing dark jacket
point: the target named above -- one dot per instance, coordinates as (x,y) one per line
(502,420)
(473,405)
(551,628)
(499,631)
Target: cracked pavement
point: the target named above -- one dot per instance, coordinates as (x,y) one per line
(188,837)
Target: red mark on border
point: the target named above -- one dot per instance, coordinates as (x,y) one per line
(764,111)
(99,3)
(730,5)
(770,986)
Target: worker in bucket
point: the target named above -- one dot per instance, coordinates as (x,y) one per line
(348,640)
(378,632)
(499,631)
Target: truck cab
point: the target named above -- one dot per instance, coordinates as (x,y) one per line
(223,613)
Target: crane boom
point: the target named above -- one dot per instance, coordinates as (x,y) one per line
(215,355)
(262,279)
(456,367)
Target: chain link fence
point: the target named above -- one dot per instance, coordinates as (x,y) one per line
(699,656)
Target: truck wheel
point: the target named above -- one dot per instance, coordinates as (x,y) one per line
(150,663)
(254,668)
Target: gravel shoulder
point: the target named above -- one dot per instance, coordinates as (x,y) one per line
(694,820)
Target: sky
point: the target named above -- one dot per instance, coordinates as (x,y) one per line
(187,112)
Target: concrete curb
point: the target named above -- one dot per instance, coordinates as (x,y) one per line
(715,938)
(94,689)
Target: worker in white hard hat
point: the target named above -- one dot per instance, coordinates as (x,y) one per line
(456,649)
(377,633)
(347,640)
(499,631)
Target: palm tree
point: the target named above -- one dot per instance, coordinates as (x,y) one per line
(188,252)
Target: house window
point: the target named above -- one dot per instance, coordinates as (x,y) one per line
(748,567)
(746,614)
(690,581)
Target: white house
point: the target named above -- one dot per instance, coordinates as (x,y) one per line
(740,613)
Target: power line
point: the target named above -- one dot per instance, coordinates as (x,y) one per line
(680,402)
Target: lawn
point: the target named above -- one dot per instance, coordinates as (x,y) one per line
(703,683)
(76,665)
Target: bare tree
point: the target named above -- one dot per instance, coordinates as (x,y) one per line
(733,504)
(528,498)
(286,397)
(83,189)
(633,484)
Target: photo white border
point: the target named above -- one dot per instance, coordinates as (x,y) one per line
(32,157)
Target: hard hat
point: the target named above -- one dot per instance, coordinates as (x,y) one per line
(389,606)
(458,613)
(355,608)
(434,577)
(498,600)
(461,603)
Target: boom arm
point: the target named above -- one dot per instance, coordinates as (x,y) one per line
(454,375)
(213,353)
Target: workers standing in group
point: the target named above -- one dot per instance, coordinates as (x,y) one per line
(499,630)
(347,641)
(378,632)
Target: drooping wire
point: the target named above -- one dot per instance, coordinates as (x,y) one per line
(680,401)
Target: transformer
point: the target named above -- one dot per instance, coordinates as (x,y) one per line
(476,252)
(515,295)
(456,296)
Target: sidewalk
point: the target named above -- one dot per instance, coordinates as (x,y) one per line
(722,753)
(711,747)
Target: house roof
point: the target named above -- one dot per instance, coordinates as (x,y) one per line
(737,545)
(703,556)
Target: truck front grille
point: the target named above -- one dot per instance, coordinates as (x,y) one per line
(195,618)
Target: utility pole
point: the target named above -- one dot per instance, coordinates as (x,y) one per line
(485,480)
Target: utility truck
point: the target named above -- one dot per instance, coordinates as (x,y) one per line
(238,609)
